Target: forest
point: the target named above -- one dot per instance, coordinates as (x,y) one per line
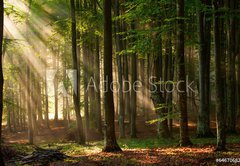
(119,82)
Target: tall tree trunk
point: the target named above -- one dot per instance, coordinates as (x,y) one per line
(86,102)
(182,91)
(169,67)
(203,127)
(220,75)
(39,103)
(1,76)
(76,97)
(97,95)
(97,79)
(231,84)
(13,109)
(110,142)
(28,73)
(46,116)
(29,111)
(133,99)
(119,48)
(55,61)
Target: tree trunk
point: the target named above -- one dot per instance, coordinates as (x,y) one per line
(55,61)
(220,75)
(133,99)
(76,97)
(110,142)
(46,116)
(203,127)
(231,84)
(39,103)
(1,74)
(119,48)
(169,73)
(28,74)
(97,93)
(182,92)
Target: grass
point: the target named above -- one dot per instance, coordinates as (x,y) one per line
(141,151)
(73,149)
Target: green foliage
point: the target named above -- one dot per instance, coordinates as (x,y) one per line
(12,11)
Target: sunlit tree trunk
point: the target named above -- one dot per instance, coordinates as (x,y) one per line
(182,92)
(34,108)
(65,97)
(29,83)
(85,80)
(46,116)
(13,110)
(1,76)
(86,102)
(119,48)
(55,65)
(76,97)
(39,103)
(110,142)
(148,74)
(97,93)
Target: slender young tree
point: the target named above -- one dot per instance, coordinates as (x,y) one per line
(110,142)
(46,104)
(119,48)
(76,97)
(97,78)
(28,74)
(85,81)
(55,65)
(1,75)
(182,92)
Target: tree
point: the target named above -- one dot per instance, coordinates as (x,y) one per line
(204,23)
(76,97)
(28,75)
(231,69)
(46,104)
(110,142)
(97,78)
(220,73)
(119,48)
(182,93)
(133,98)
(1,74)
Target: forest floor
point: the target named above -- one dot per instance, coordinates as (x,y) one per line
(144,150)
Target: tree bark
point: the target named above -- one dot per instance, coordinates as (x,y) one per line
(119,48)
(46,116)
(76,97)
(182,93)
(133,99)
(220,75)
(1,74)
(231,69)
(110,142)
(28,98)
(203,127)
